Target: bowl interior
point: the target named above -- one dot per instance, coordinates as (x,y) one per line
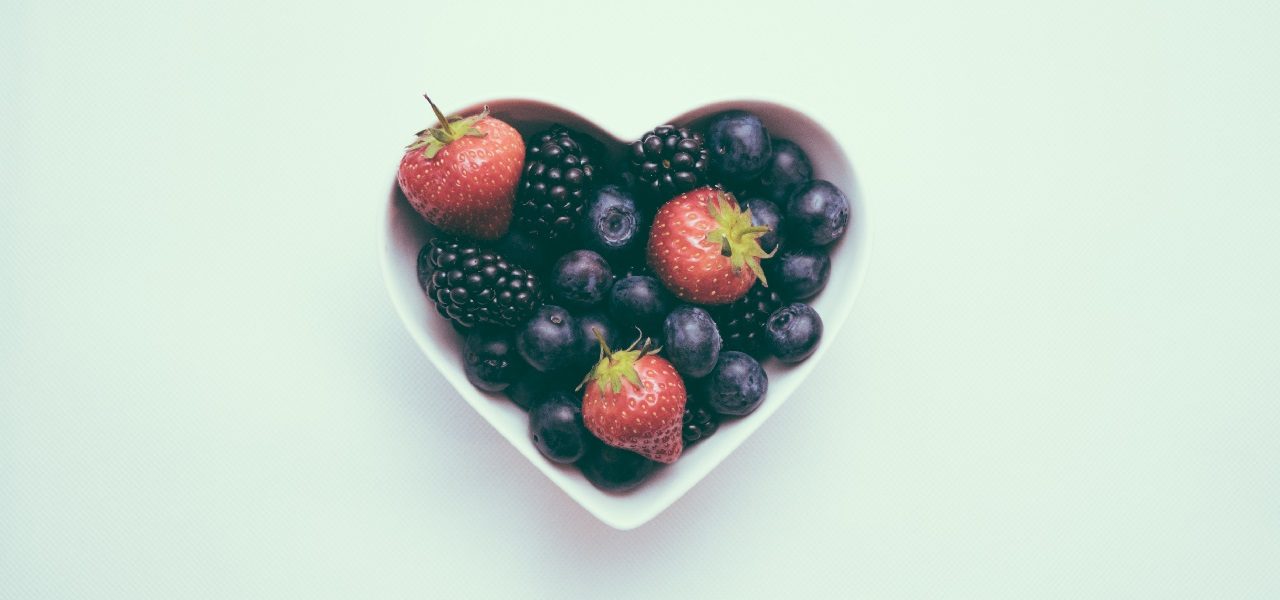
(405,233)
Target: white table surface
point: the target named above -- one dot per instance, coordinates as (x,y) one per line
(1061,379)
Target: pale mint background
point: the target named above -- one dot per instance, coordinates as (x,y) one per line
(1062,379)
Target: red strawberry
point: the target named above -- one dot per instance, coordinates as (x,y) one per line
(461,176)
(634,400)
(704,249)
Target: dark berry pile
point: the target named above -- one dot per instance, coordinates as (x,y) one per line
(742,321)
(557,171)
(573,269)
(473,285)
(668,161)
(697,424)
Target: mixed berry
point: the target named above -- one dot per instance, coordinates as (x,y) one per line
(667,161)
(627,307)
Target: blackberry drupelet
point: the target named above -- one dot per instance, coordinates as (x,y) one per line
(698,423)
(424,267)
(557,169)
(667,162)
(742,321)
(472,284)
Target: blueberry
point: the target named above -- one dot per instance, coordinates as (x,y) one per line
(738,144)
(459,328)
(529,390)
(490,360)
(637,268)
(589,346)
(550,339)
(621,176)
(798,273)
(522,249)
(534,387)
(614,469)
(581,279)
(793,332)
(640,301)
(555,426)
(612,223)
(692,342)
(736,386)
(787,170)
(765,212)
(817,214)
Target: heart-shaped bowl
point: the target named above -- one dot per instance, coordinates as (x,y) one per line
(405,233)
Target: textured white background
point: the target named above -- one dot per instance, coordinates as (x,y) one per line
(1061,379)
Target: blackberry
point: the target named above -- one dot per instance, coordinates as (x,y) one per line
(424,267)
(557,169)
(472,284)
(698,423)
(741,322)
(668,161)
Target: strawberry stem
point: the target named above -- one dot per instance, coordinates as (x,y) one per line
(604,346)
(614,367)
(737,237)
(444,121)
(433,139)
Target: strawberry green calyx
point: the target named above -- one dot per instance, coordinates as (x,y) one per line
(616,366)
(434,139)
(738,239)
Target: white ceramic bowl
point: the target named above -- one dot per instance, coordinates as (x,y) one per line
(405,233)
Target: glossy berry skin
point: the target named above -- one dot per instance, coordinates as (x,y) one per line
(612,223)
(550,340)
(640,301)
(817,214)
(535,387)
(644,418)
(581,279)
(786,171)
(557,171)
(667,161)
(640,268)
(687,247)
(468,186)
(490,359)
(614,469)
(589,345)
(691,341)
(531,252)
(698,424)
(474,285)
(799,273)
(425,267)
(529,390)
(737,385)
(767,214)
(739,146)
(793,332)
(555,426)
(741,322)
